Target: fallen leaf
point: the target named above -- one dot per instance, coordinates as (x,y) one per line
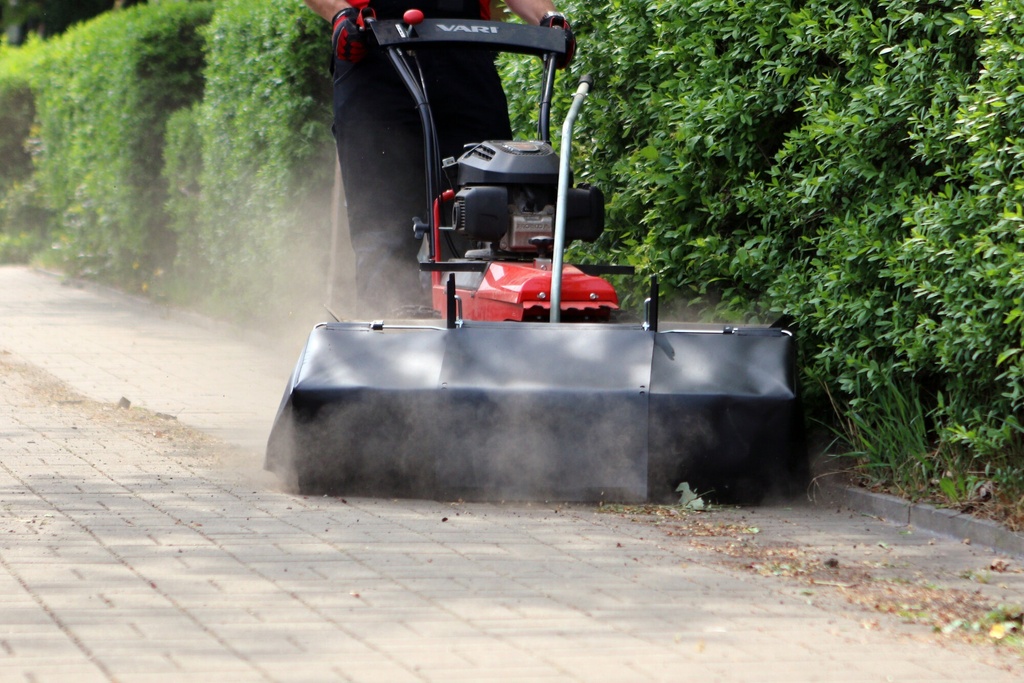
(688,498)
(999,565)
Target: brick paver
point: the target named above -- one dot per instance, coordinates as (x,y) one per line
(130,550)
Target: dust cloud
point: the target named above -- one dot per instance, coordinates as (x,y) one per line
(428,445)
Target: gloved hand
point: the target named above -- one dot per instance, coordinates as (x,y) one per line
(349,38)
(558,20)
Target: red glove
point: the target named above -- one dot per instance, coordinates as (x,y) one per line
(558,20)
(349,38)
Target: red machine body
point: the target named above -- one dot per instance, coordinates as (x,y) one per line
(520,292)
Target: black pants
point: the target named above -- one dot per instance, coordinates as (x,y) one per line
(380,148)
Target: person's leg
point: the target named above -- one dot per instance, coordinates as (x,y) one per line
(380,150)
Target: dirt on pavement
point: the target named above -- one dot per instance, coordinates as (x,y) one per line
(889,578)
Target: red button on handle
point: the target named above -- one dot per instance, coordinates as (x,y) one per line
(412,17)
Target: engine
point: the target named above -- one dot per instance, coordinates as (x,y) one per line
(507,199)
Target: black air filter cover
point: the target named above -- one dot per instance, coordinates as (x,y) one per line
(508,163)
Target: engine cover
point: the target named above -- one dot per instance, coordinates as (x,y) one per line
(509,162)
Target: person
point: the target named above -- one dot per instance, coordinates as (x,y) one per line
(379,135)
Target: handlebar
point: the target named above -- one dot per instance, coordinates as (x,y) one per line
(399,39)
(497,36)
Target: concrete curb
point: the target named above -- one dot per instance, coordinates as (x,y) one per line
(940,521)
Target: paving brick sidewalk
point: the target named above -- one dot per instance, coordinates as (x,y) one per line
(133,550)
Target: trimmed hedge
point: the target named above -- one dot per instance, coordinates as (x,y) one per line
(222,196)
(22,216)
(267,155)
(850,167)
(960,270)
(104,95)
(183,159)
(17,112)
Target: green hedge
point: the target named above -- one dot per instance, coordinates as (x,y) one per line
(104,95)
(267,155)
(17,112)
(183,158)
(959,272)
(22,214)
(852,168)
(212,181)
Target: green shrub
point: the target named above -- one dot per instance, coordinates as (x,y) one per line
(19,247)
(183,158)
(24,222)
(851,167)
(17,112)
(961,267)
(267,155)
(105,92)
